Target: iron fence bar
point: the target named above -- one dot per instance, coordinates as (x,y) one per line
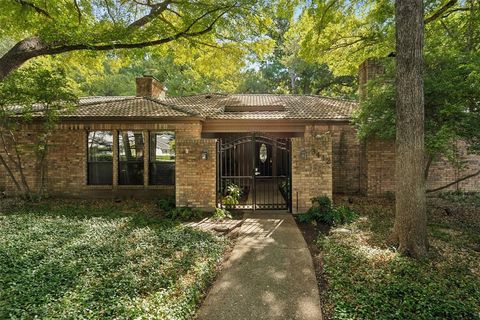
(254,166)
(289,172)
(270,189)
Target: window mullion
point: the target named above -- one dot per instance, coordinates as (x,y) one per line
(146,157)
(115,158)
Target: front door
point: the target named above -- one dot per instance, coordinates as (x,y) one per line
(254,172)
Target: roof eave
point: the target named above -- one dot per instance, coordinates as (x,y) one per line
(129,118)
(286,119)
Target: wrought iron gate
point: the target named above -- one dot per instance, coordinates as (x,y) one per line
(254,172)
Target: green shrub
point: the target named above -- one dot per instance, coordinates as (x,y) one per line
(322,211)
(284,187)
(460,196)
(340,215)
(221,214)
(233,190)
(229,201)
(231,194)
(166,203)
(184,214)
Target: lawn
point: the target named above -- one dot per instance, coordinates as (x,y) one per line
(82,260)
(366,279)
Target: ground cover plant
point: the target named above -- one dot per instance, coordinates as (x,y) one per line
(461,197)
(83,260)
(322,211)
(367,279)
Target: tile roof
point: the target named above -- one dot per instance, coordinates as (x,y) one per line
(124,107)
(218,106)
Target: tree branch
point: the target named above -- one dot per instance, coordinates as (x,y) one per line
(33,47)
(39,10)
(79,12)
(182,34)
(174,12)
(109,12)
(19,164)
(437,14)
(455,182)
(449,12)
(10,173)
(154,12)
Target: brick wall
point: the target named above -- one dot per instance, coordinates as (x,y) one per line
(66,163)
(346,159)
(311,167)
(380,163)
(196,177)
(442,172)
(26,151)
(368,70)
(380,167)
(335,163)
(66,173)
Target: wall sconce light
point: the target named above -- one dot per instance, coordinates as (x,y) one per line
(205,155)
(303,154)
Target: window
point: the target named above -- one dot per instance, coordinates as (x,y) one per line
(162,158)
(100,158)
(130,158)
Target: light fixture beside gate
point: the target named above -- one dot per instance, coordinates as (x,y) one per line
(205,154)
(303,154)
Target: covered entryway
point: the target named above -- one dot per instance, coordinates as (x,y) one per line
(257,168)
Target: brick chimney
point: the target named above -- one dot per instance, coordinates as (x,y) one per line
(368,70)
(150,87)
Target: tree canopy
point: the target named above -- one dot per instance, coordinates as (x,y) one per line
(452,88)
(277,46)
(41,28)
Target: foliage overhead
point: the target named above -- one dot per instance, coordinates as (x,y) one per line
(38,28)
(285,70)
(452,88)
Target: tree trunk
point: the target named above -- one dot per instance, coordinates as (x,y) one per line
(410,228)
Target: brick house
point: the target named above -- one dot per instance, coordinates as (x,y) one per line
(281,150)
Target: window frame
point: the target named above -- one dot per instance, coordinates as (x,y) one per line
(89,161)
(152,154)
(121,162)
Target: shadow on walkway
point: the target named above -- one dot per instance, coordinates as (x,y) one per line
(269,274)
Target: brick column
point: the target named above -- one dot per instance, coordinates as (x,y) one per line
(311,169)
(195,178)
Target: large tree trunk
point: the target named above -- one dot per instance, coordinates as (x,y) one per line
(410,228)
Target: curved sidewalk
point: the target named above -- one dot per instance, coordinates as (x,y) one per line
(269,274)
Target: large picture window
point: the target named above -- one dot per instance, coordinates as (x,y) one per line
(162,158)
(130,158)
(100,158)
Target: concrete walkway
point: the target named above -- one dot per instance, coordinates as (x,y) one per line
(269,274)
